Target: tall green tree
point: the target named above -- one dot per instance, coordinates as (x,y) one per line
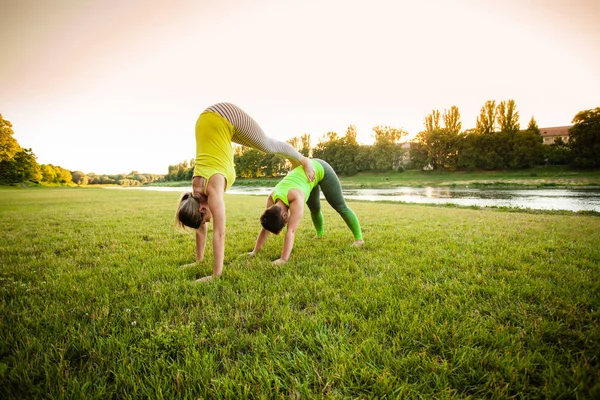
(340,152)
(441,146)
(21,167)
(432,121)
(48,173)
(452,120)
(486,121)
(558,152)
(305,145)
(507,117)
(302,144)
(584,139)
(388,134)
(8,144)
(527,150)
(351,133)
(387,151)
(533,126)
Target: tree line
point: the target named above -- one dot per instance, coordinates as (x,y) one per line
(496,142)
(19,164)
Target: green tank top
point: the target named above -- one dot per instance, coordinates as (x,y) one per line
(296,179)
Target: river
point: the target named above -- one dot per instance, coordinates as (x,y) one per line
(538,199)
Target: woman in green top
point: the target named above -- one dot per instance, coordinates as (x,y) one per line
(285,206)
(214,172)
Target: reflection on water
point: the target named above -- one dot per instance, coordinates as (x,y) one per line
(539,199)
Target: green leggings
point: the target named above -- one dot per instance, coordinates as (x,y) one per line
(332,190)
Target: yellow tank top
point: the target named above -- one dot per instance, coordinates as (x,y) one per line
(214,153)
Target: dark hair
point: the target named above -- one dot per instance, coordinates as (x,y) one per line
(272,220)
(188,212)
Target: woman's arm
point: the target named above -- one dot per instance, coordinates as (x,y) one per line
(201,242)
(215,190)
(296,212)
(263,234)
(260,241)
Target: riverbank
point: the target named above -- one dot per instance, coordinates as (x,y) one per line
(539,177)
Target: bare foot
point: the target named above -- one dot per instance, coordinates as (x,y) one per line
(205,279)
(190,265)
(358,243)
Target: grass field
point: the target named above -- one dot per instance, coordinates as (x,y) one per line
(441,302)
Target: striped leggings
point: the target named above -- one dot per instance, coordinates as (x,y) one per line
(248,133)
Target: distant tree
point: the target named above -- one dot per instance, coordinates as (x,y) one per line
(533,126)
(8,144)
(441,146)
(486,121)
(507,117)
(63,176)
(388,134)
(21,167)
(274,165)
(340,152)
(584,139)
(331,136)
(350,137)
(527,150)
(305,146)
(364,158)
(432,121)
(468,151)
(48,173)
(557,153)
(129,182)
(419,154)
(249,164)
(79,178)
(387,151)
(452,120)
(301,144)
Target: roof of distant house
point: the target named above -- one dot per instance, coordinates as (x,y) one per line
(555,131)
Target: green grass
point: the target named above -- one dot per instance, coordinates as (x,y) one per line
(440,303)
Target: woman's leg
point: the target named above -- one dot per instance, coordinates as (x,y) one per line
(248,133)
(332,189)
(314,205)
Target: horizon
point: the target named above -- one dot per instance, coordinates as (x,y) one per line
(117,86)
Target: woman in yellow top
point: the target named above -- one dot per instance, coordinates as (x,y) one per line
(217,127)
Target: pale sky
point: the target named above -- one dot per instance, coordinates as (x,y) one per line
(113,86)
